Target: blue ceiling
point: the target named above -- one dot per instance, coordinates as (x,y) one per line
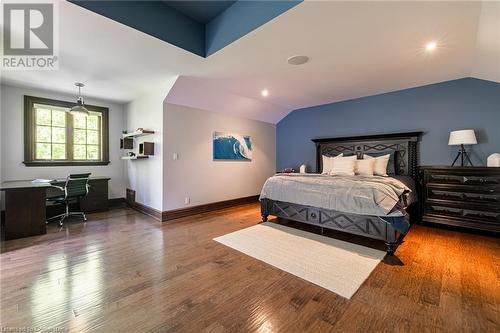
(200,27)
(200,11)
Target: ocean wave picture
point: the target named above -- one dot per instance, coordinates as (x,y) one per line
(230,146)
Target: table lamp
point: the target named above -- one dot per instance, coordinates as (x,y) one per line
(461,138)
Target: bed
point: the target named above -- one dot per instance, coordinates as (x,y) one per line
(309,198)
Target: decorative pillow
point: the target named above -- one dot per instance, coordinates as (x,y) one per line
(344,166)
(328,163)
(380,166)
(391,166)
(365,167)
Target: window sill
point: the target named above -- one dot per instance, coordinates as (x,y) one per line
(64,163)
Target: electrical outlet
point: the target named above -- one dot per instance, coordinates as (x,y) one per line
(187,200)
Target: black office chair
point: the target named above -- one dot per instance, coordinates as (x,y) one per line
(75,188)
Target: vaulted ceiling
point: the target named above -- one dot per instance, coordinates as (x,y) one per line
(355,48)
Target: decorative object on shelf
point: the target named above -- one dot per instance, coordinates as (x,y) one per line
(131,154)
(146,148)
(494,160)
(462,138)
(303,168)
(231,146)
(79,108)
(126,143)
(288,170)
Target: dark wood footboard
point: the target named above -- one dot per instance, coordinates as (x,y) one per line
(362,225)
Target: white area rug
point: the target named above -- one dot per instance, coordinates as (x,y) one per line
(336,265)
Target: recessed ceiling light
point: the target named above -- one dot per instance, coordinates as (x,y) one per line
(431,46)
(298,60)
(264,93)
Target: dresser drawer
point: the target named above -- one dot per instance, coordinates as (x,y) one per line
(468,214)
(462,178)
(483,195)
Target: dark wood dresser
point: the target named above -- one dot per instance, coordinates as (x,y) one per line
(462,196)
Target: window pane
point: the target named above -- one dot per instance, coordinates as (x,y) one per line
(43,134)
(59,118)
(92,122)
(43,151)
(79,152)
(42,117)
(58,151)
(58,134)
(92,153)
(79,121)
(92,137)
(80,137)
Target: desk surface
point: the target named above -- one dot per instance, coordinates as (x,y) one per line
(23,184)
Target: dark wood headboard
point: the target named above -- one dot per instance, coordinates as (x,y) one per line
(404,146)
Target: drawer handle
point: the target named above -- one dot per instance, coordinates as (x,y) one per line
(313,215)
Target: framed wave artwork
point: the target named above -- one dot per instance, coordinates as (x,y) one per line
(231,146)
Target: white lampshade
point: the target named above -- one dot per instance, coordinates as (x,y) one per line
(462,137)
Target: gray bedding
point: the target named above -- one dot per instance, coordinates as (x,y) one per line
(375,195)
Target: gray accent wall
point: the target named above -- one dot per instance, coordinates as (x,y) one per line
(434,109)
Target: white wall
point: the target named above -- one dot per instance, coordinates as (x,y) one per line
(188,132)
(145,176)
(2,194)
(12,141)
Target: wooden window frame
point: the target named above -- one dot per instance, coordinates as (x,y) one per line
(30,133)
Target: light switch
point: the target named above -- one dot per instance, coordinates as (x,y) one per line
(175,156)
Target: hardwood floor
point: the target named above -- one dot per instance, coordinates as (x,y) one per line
(125,272)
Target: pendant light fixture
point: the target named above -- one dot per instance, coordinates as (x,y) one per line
(79,109)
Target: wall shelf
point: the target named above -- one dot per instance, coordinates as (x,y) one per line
(137,157)
(137,134)
(145,150)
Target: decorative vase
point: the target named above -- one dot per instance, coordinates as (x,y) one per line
(494,160)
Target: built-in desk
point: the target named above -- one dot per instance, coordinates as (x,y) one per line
(25,201)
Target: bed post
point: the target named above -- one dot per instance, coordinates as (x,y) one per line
(264,209)
(318,158)
(390,247)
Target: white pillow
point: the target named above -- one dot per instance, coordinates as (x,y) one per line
(380,167)
(365,167)
(328,163)
(344,166)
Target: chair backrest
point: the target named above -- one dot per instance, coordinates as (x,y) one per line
(77,185)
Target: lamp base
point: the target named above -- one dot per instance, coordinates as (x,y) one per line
(464,157)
